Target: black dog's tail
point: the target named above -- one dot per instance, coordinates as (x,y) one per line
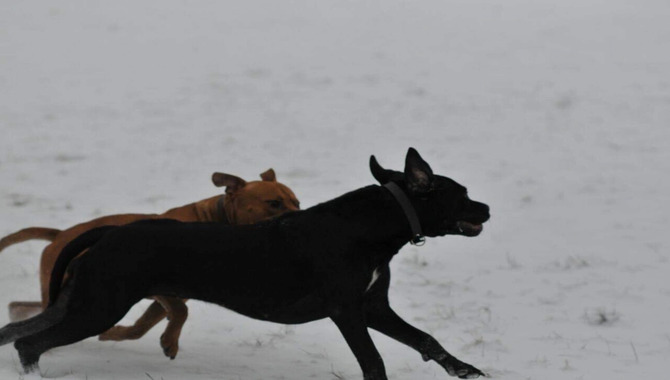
(72,250)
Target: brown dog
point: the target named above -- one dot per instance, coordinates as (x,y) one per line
(243,203)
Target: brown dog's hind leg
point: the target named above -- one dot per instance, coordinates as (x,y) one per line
(177,313)
(154,314)
(20,310)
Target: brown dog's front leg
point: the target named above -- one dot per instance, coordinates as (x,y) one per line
(154,314)
(177,313)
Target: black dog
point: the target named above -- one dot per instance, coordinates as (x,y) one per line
(331,260)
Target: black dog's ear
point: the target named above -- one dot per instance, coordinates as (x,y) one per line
(381,175)
(418,174)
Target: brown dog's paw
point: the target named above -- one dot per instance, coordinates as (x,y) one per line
(170,347)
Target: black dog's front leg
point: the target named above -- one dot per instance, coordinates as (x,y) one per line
(383,319)
(351,324)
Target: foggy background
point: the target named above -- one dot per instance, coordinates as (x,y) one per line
(556,114)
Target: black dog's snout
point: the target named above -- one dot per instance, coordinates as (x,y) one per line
(486,210)
(481,211)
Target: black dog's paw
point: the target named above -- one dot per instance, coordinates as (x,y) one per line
(375,375)
(28,356)
(465,371)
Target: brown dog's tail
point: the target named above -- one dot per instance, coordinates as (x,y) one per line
(30,233)
(72,250)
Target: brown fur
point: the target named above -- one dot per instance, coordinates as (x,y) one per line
(244,203)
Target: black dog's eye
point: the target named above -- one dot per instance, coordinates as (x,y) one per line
(426,194)
(274,204)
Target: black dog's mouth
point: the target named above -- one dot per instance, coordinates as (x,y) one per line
(468,229)
(467,223)
(463,228)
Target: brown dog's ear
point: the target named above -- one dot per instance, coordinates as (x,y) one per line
(231,182)
(269,176)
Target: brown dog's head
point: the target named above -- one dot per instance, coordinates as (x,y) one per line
(251,202)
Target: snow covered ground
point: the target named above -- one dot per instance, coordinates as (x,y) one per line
(556,114)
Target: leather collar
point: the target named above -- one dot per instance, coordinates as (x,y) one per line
(417,236)
(221,211)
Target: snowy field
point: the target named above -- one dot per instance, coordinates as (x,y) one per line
(555,113)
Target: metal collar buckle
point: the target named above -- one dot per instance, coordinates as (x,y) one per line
(418,240)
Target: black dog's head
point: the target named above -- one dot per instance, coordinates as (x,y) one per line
(442,205)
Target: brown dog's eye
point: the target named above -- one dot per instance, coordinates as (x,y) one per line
(274,204)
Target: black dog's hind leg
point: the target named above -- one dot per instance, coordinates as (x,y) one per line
(351,323)
(17,330)
(84,315)
(77,324)
(71,329)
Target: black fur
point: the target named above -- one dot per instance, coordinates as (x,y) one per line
(299,267)
(69,252)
